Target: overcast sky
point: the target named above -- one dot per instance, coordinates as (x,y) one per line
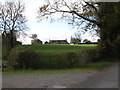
(45,30)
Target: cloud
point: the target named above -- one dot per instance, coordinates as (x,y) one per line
(32,6)
(2,1)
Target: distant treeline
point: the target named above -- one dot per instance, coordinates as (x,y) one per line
(90,43)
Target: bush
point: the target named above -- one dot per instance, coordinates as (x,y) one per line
(23,59)
(6,46)
(71,59)
(57,61)
(87,56)
(117,47)
(108,49)
(27,57)
(104,50)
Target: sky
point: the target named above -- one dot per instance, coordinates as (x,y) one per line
(45,30)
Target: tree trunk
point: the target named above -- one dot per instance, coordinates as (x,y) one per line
(11,39)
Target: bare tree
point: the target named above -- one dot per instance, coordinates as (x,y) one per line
(78,13)
(12,20)
(75,40)
(78,36)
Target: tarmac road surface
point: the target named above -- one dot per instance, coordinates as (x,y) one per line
(91,79)
(106,79)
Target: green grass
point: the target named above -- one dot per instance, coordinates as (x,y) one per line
(53,59)
(54,55)
(88,67)
(57,48)
(98,65)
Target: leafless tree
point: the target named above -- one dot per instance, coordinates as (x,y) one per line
(78,35)
(12,20)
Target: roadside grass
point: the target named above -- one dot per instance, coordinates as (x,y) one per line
(88,67)
(97,65)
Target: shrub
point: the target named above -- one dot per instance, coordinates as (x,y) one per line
(6,46)
(71,58)
(117,47)
(57,61)
(87,56)
(23,59)
(104,50)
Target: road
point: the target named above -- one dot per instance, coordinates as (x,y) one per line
(91,79)
(106,79)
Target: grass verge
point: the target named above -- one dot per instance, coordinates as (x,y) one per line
(88,67)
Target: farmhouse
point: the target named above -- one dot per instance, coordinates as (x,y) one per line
(58,42)
(36,41)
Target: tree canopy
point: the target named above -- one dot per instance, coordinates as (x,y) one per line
(109,16)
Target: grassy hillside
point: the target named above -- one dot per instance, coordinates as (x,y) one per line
(57,56)
(53,48)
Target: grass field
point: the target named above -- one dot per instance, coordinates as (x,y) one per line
(53,56)
(57,48)
(53,59)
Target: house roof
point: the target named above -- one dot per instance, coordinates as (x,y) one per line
(57,40)
(37,40)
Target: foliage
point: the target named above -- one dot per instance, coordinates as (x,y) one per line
(88,56)
(109,15)
(6,46)
(71,58)
(88,67)
(52,56)
(75,40)
(86,41)
(34,36)
(46,42)
(100,65)
(97,17)
(35,40)
(23,59)
(117,47)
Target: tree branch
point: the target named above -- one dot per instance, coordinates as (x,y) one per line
(87,19)
(91,6)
